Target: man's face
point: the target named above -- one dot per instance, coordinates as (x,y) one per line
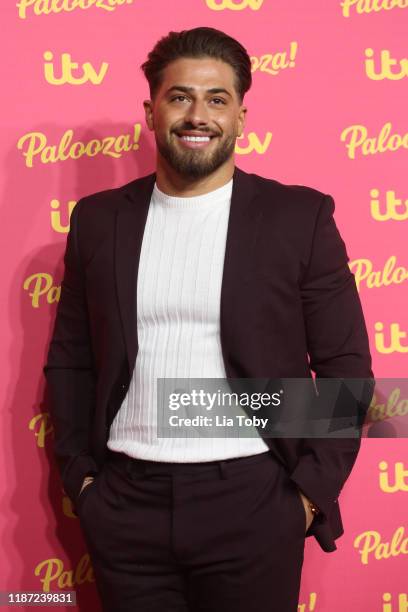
(196,115)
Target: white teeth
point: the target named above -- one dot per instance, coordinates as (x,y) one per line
(196,138)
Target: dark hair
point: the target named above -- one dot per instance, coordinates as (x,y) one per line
(198,43)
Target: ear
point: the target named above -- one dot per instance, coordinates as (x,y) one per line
(241,120)
(148,107)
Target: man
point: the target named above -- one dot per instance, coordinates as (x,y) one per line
(199,270)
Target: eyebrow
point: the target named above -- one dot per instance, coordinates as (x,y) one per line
(213,90)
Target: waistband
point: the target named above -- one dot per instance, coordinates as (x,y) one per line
(222,467)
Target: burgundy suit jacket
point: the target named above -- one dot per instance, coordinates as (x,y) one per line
(289,307)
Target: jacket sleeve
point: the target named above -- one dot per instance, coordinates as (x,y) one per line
(69,371)
(338,348)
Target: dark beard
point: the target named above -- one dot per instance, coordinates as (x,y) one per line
(192,163)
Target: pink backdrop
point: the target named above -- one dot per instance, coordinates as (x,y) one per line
(327,109)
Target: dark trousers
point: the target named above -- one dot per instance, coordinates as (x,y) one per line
(223,536)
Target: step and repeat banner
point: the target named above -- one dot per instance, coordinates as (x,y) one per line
(327,109)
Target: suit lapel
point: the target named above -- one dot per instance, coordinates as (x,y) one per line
(243,225)
(130,224)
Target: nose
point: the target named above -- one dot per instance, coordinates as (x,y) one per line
(197,113)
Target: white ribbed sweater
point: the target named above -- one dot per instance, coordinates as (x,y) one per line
(178,324)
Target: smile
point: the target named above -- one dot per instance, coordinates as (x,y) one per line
(194,142)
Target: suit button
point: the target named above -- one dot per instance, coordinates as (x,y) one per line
(123,386)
